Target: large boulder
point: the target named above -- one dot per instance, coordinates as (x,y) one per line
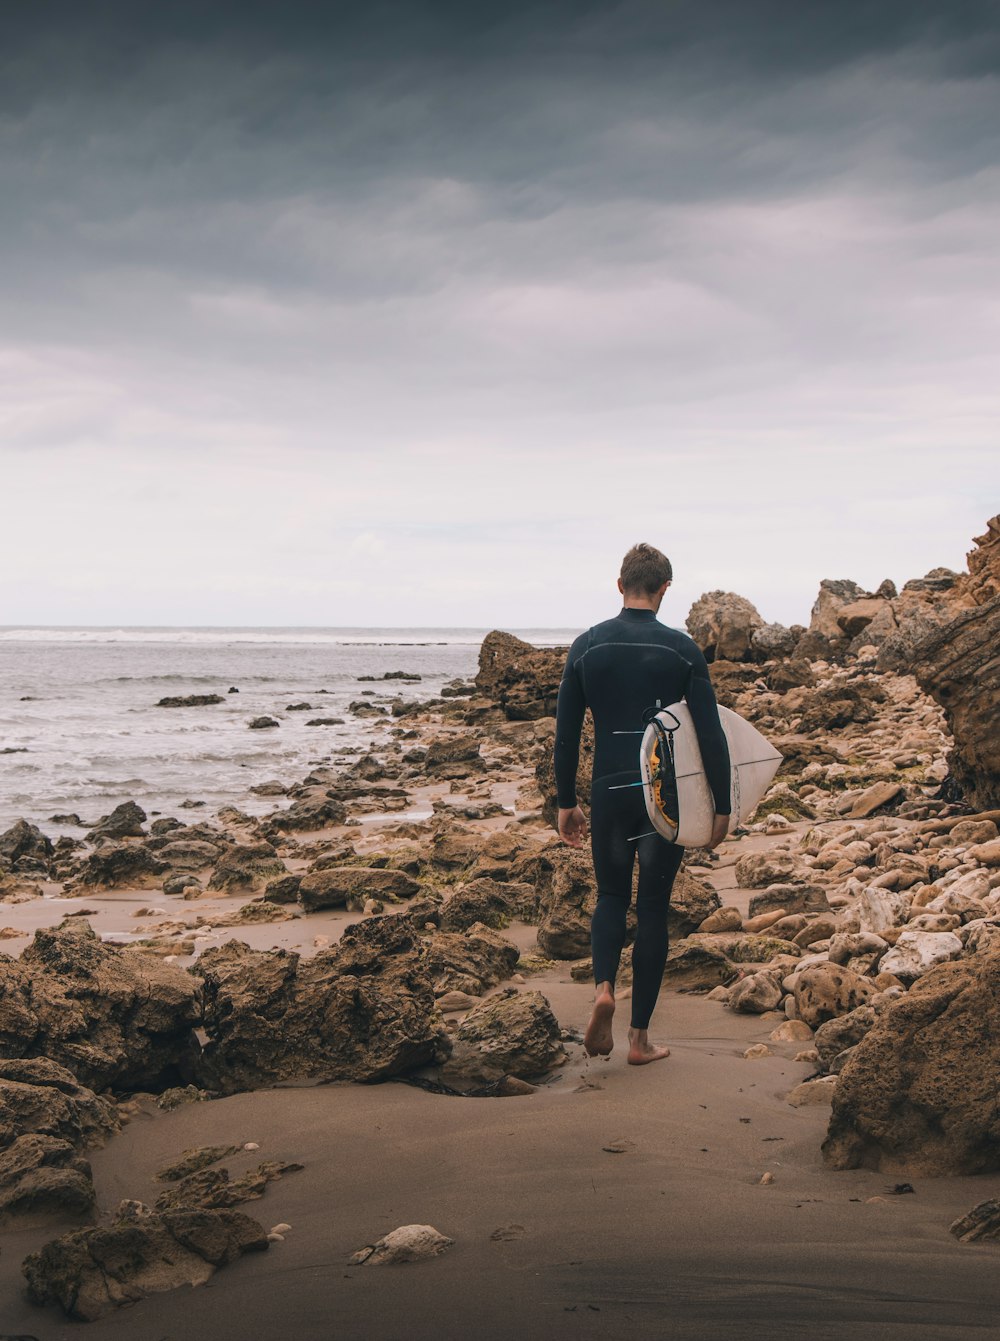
(339,885)
(114,1016)
(564,931)
(362,1010)
(919,1093)
(92,1272)
(826,991)
(957,664)
(23,847)
(511,1034)
(523,679)
(723,625)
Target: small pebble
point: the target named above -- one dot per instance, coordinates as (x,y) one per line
(280,1229)
(755,1051)
(320,941)
(275,1238)
(251,1145)
(766,1179)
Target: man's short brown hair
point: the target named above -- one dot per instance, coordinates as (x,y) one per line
(644,570)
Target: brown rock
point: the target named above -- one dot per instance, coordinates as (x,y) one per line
(509,1034)
(43,1175)
(339,885)
(874,798)
(723,625)
(697,968)
(524,680)
(919,1092)
(827,991)
(723,919)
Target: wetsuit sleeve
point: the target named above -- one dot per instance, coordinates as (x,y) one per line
(570,708)
(700,698)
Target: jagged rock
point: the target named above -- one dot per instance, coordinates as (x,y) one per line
(246,866)
(691,901)
(794,673)
(92,1272)
(362,1010)
(855,617)
(262,723)
(283,890)
(919,1092)
(512,1033)
(524,680)
(827,991)
(837,1035)
(339,885)
(191,701)
(23,847)
(125,821)
(188,854)
(192,1161)
(723,625)
(115,864)
(313,808)
(957,664)
(811,1092)
(786,898)
(37,1096)
(982,1222)
(834,596)
(481,900)
(756,993)
(469,962)
(697,968)
(214,1189)
(443,752)
(117,1017)
(770,641)
(564,931)
(545,775)
(44,1175)
(916,952)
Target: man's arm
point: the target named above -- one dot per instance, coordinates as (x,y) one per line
(570,708)
(700,698)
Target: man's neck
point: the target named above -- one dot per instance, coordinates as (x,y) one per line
(633,604)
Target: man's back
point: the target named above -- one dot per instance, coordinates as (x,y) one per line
(618,669)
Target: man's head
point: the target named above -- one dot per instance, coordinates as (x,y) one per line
(645,576)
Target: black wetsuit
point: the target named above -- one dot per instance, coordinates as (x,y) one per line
(619,669)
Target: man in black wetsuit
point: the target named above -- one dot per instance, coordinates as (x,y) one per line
(621,669)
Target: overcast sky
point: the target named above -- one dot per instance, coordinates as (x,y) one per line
(421,313)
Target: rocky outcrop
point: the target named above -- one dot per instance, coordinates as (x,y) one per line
(522,679)
(93,1272)
(959,665)
(114,1016)
(362,1010)
(512,1034)
(39,1097)
(919,1093)
(469,961)
(125,821)
(723,625)
(24,848)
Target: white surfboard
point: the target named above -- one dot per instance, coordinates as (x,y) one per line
(679,801)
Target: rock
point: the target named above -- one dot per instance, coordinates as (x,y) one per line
(522,679)
(723,919)
(513,1033)
(919,1092)
(362,1010)
(125,821)
(811,1092)
(283,890)
(179,884)
(958,666)
(39,1097)
(213,1189)
(855,617)
(697,968)
(875,798)
(246,867)
(564,931)
(409,1243)
(755,994)
(482,900)
(188,854)
(43,1175)
(261,723)
(827,991)
(117,1017)
(470,962)
(313,808)
(723,625)
(834,596)
(837,1035)
(788,899)
(986,853)
(192,700)
(340,885)
(974,831)
(769,641)
(92,1272)
(845,946)
(193,1161)
(115,864)
(791,1031)
(445,751)
(915,952)
(325,721)
(794,673)
(757,870)
(691,902)
(755,1051)
(23,847)
(880,910)
(982,1222)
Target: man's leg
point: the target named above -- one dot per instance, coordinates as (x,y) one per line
(659,862)
(614,857)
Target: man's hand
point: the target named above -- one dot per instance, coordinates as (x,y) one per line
(720,828)
(572,826)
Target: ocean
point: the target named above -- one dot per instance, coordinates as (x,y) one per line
(80,730)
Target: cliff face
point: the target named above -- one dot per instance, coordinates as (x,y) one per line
(958,664)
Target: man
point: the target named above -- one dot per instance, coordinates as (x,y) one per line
(622,669)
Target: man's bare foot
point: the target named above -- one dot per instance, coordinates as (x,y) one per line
(599,1040)
(641,1051)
